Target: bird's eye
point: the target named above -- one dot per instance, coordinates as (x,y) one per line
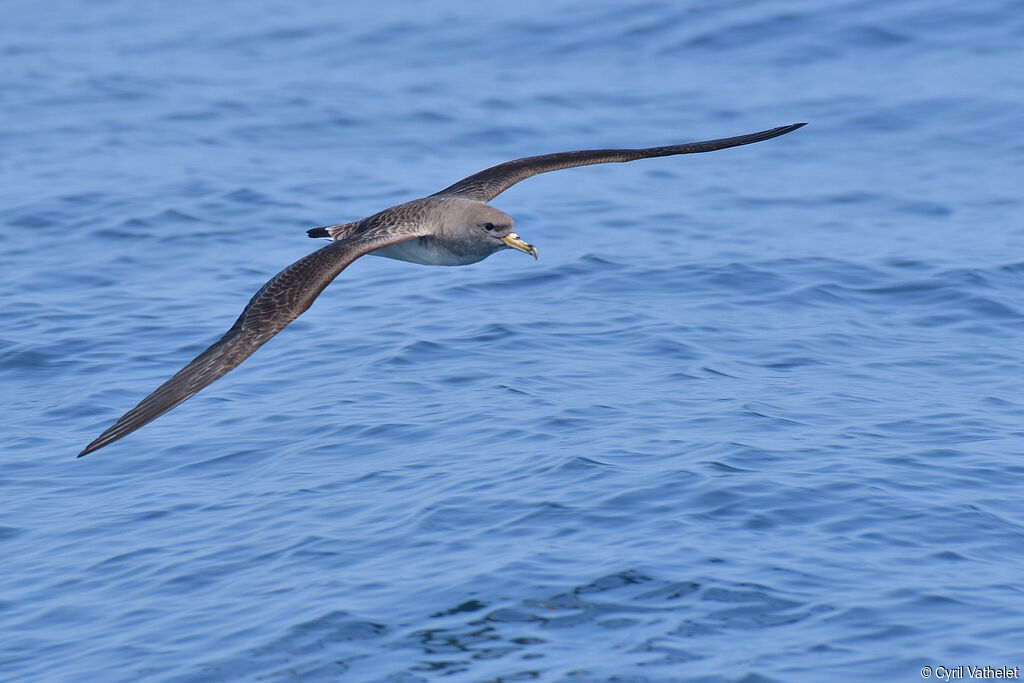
(489,227)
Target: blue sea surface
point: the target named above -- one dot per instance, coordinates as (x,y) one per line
(755,415)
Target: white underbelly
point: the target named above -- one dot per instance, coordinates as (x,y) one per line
(423,251)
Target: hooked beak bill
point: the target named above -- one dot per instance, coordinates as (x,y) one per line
(512,240)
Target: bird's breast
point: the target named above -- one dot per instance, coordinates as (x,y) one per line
(427,252)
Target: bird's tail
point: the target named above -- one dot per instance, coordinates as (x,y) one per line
(331,231)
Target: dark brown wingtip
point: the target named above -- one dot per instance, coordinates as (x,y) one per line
(99,442)
(768,134)
(322,232)
(776,132)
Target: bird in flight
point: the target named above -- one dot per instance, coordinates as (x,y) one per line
(453,227)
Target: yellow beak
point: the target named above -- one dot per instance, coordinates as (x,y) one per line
(513,241)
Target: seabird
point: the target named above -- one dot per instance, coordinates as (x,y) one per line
(453,227)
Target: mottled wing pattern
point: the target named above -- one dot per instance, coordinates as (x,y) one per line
(276,304)
(488,184)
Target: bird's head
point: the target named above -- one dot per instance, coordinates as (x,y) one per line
(486,230)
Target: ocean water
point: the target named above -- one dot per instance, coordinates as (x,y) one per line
(754,415)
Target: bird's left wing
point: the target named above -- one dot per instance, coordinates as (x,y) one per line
(489,183)
(276,304)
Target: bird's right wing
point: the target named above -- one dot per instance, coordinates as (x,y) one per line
(489,183)
(277,303)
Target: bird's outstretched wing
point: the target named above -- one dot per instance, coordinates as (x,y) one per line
(488,184)
(276,304)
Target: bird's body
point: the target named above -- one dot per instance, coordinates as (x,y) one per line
(444,243)
(452,227)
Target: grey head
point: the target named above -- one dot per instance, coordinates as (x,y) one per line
(473,230)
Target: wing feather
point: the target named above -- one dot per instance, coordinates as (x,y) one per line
(488,184)
(282,299)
